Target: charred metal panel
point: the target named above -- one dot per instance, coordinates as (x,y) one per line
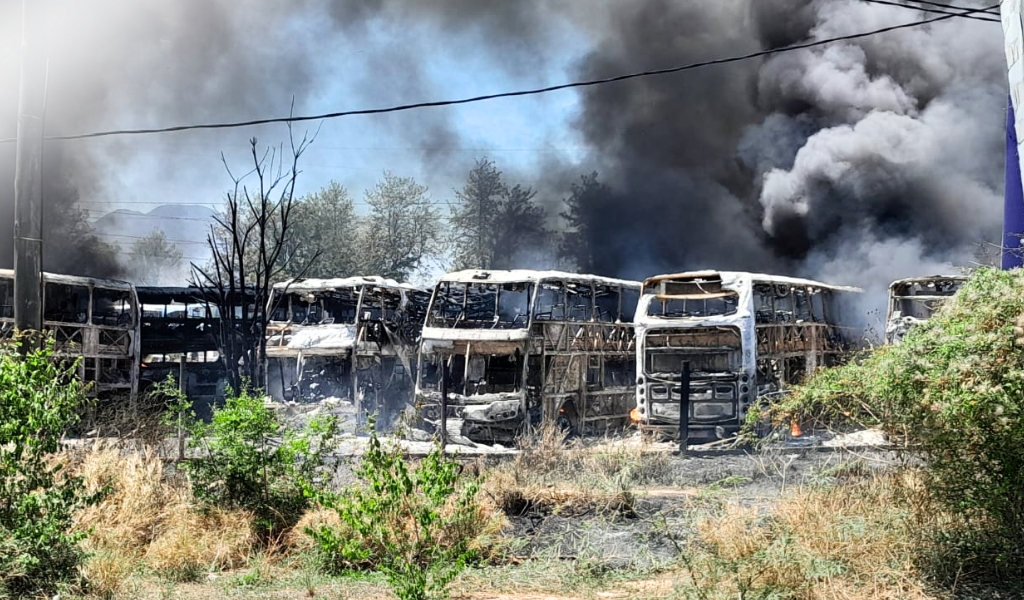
(743,336)
(205,383)
(180,320)
(91,320)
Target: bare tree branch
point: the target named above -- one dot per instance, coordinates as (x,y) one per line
(247,242)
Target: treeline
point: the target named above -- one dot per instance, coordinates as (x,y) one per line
(490,223)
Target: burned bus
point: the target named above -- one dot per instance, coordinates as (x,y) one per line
(353,339)
(730,338)
(94,320)
(914,300)
(509,349)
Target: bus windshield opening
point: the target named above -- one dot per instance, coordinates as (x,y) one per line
(670,308)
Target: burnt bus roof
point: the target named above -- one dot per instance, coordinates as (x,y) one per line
(716,277)
(184,295)
(927,279)
(313,284)
(115,284)
(530,276)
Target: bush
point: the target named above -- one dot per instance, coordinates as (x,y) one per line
(40,399)
(246,458)
(418,527)
(954,391)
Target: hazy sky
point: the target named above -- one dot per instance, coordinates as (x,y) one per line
(112,69)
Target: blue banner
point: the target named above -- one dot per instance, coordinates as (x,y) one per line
(1013,199)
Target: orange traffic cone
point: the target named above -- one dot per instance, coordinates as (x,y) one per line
(794,430)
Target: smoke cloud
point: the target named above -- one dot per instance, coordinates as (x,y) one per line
(138,64)
(893,138)
(857,162)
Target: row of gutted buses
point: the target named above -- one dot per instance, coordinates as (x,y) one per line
(506,349)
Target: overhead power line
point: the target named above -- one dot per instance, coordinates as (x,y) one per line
(987,11)
(935,10)
(514,94)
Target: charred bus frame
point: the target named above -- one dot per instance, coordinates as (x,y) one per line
(95,320)
(916,299)
(351,338)
(180,331)
(523,347)
(741,335)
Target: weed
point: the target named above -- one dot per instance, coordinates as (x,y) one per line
(953,391)
(246,458)
(420,527)
(730,481)
(106,574)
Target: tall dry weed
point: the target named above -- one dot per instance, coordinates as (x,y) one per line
(150,518)
(107,574)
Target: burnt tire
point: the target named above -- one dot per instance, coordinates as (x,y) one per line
(567,427)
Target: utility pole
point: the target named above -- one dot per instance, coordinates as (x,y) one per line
(28,176)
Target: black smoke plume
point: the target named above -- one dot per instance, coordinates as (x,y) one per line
(115,64)
(811,161)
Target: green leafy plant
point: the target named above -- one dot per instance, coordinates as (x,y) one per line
(245,457)
(952,391)
(418,526)
(40,399)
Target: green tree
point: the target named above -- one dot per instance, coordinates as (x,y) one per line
(520,227)
(326,221)
(585,204)
(154,259)
(402,230)
(474,217)
(40,399)
(494,224)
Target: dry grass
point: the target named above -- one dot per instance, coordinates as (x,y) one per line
(857,540)
(108,573)
(549,475)
(151,520)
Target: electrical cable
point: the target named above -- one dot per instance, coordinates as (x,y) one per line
(527,92)
(987,11)
(933,10)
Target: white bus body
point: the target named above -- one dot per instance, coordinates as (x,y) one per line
(742,335)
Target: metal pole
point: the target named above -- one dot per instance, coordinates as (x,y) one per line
(444,404)
(684,406)
(28,176)
(181,418)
